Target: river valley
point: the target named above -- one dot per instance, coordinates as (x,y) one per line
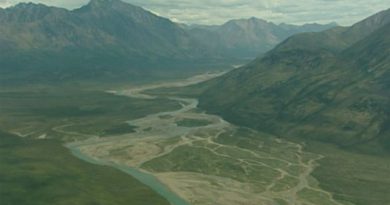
(191,157)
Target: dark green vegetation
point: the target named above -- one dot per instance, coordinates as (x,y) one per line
(330,87)
(110,41)
(58,112)
(36,172)
(209,163)
(192,122)
(236,155)
(358,178)
(44,172)
(104,40)
(119,129)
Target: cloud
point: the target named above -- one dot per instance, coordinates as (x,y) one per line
(344,12)
(60,3)
(5,3)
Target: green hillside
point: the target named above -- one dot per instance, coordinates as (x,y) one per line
(105,40)
(327,90)
(113,41)
(34,172)
(328,95)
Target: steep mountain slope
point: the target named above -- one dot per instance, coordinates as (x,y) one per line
(336,39)
(330,86)
(109,40)
(103,38)
(247,38)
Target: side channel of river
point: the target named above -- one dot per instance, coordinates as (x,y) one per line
(144,177)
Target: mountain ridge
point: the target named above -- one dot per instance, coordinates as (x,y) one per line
(330,95)
(251,37)
(45,43)
(298,91)
(336,39)
(106,40)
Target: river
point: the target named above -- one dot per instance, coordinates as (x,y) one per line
(159,135)
(159,126)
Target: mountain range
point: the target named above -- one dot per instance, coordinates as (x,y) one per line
(249,38)
(327,93)
(331,86)
(110,39)
(103,38)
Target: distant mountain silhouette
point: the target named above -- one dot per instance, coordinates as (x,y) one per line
(248,38)
(103,38)
(111,40)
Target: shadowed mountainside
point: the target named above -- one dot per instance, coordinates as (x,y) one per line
(109,40)
(331,86)
(329,90)
(105,38)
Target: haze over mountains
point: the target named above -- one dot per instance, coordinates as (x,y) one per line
(306,122)
(331,86)
(326,89)
(105,36)
(248,38)
(107,39)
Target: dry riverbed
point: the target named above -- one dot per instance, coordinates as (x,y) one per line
(210,163)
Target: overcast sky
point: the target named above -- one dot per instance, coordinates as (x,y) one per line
(344,12)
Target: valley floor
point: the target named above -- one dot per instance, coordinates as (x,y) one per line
(189,156)
(207,160)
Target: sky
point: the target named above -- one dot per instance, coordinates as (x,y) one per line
(214,12)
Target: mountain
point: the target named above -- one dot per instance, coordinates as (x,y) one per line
(247,38)
(109,40)
(336,39)
(101,39)
(331,86)
(329,91)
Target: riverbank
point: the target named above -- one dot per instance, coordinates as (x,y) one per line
(206,163)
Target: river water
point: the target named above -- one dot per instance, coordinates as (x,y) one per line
(160,126)
(146,178)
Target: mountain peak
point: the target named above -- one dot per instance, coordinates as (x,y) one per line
(103,5)
(108,4)
(103,2)
(377,20)
(333,23)
(28,6)
(255,19)
(367,26)
(245,23)
(29,12)
(251,20)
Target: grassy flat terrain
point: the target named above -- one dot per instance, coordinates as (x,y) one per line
(192,122)
(330,87)
(43,171)
(48,112)
(205,165)
(40,172)
(220,165)
(353,177)
(348,172)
